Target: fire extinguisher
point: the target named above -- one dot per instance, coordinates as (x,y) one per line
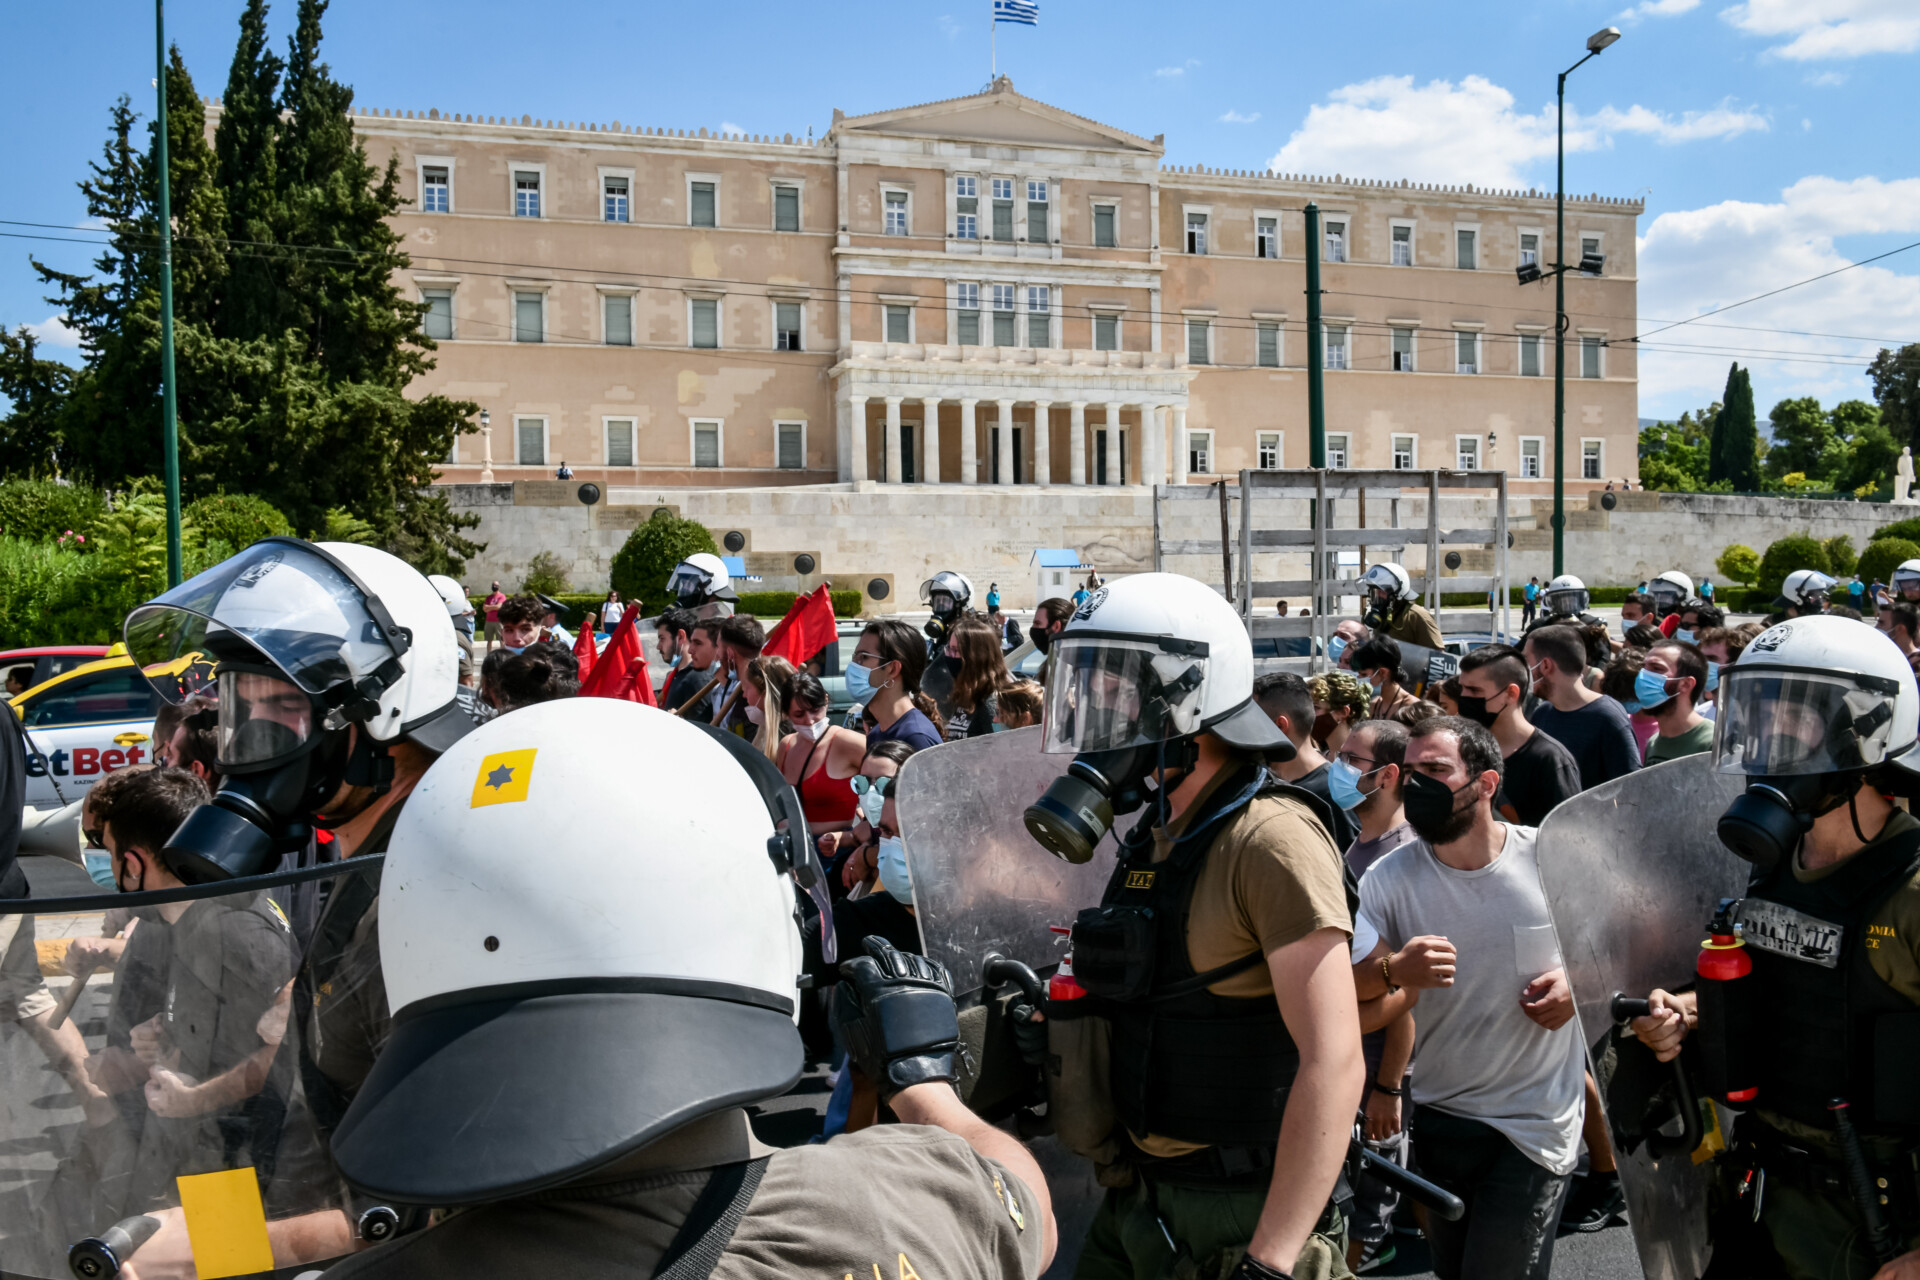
(1728,1011)
(1062,985)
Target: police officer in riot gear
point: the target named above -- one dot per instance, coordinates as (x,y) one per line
(1565,600)
(1393,608)
(1906,582)
(1219,953)
(1820,716)
(577,1037)
(1670,592)
(701,583)
(948,595)
(1803,594)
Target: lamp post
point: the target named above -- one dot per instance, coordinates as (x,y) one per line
(170,434)
(486,447)
(1596,42)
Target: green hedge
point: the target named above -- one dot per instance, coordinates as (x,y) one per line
(761,604)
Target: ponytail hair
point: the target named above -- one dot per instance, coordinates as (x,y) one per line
(773,677)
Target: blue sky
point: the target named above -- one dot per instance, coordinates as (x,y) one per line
(1771,139)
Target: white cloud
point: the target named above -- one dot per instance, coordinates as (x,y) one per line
(1693,260)
(1441,131)
(53,332)
(1828,79)
(1661,9)
(1180,69)
(1817,29)
(1234,117)
(729,127)
(948,27)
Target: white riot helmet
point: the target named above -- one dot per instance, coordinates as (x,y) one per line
(1566,597)
(554,1014)
(1389,578)
(1670,591)
(455,596)
(1806,590)
(1907,575)
(700,579)
(947,593)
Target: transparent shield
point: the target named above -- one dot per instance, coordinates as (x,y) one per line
(1567,602)
(1632,871)
(1779,722)
(1104,694)
(981,885)
(284,599)
(178,1102)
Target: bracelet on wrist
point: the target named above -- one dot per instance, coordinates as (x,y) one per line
(1390,1090)
(1386,973)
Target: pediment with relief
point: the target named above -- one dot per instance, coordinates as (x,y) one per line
(998,115)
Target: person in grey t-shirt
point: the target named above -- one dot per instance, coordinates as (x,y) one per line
(1498,1091)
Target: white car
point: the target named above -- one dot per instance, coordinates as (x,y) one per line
(82,725)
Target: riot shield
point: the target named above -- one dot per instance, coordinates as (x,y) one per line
(1632,872)
(981,885)
(161,1079)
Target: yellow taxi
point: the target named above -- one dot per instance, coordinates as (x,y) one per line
(83,724)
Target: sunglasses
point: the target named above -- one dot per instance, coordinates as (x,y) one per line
(879,786)
(96,839)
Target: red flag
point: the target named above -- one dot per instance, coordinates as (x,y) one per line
(806,630)
(621,672)
(584,652)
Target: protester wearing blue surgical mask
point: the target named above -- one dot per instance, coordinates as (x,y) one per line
(1672,678)
(877,873)
(1288,702)
(884,673)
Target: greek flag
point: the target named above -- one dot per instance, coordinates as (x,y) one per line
(1024,12)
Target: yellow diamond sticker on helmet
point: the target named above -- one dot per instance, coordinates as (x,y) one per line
(503,777)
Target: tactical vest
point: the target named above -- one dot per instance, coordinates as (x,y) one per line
(1186,1064)
(1835,1030)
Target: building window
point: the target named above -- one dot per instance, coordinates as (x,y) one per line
(1199,334)
(700,202)
(529,317)
(438,322)
(1590,245)
(530,442)
(614,199)
(895,223)
(1529,249)
(1003,209)
(966,203)
(706,444)
(1003,318)
(1466,348)
(1106,333)
(1466,453)
(1590,459)
(1466,249)
(1199,452)
(526,193)
(1402,341)
(1529,355)
(1337,452)
(619,442)
(1530,449)
(1336,242)
(1196,233)
(790,446)
(1404,453)
(1266,237)
(1590,356)
(436,191)
(1039,315)
(1337,346)
(1037,213)
(786,326)
(899,323)
(1402,246)
(1269,448)
(704,329)
(966,302)
(786,208)
(1105,231)
(1267,352)
(617,310)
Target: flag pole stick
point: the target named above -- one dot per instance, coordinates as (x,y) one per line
(993,41)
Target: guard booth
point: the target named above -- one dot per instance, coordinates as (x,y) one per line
(1057,572)
(1309,533)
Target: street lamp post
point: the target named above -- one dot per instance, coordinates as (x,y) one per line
(169,429)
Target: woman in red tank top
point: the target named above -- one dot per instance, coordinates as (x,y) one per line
(820,758)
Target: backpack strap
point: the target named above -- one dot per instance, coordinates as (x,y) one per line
(704,1236)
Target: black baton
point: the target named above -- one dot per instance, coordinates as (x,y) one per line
(1865,1195)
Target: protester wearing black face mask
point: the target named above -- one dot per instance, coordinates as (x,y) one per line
(1538,773)
(1049,620)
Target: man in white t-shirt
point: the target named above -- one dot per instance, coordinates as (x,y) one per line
(1498,1092)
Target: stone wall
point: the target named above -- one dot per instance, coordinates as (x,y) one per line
(902,534)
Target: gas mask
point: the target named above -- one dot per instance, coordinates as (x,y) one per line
(1379,614)
(1078,808)
(944,613)
(1765,823)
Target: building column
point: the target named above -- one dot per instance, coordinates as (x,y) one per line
(857,441)
(1077,445)
(969,443)
(1153,445)
(1115,467)
(930,440)
(1180,454)
(1005,450)
(1042,442)
(893,439)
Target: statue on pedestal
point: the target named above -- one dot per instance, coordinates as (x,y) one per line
(1903,479)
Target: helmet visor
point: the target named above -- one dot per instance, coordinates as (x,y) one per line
(1104,694)
(262,718)
(1775,722)
(284,600)
(1567,600)
(687,582)
(1906,577)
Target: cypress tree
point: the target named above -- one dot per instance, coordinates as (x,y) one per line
(1738,434)
(245,144)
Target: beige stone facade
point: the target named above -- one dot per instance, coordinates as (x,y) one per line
(660,310)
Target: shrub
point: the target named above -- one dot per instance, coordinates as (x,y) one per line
(1739,563)
(545,574)
(53,595)
(1788,555)
(1908,529)
(1841,557)
(642,565)
(344,526)
(1883,556)
(774,604)
(236,519)
(42,510)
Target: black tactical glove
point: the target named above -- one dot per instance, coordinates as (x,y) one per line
(1029,1032)
(896,1011)
(1251,1268)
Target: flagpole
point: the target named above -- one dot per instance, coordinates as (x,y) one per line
(993,40)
